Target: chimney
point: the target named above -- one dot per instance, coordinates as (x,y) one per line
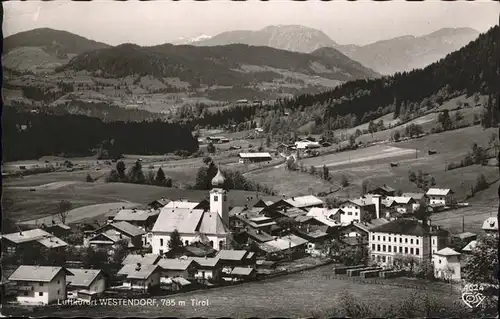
(20,233)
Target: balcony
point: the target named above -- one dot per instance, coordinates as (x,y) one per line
(24,288)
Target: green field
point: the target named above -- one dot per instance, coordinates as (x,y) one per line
(305,294)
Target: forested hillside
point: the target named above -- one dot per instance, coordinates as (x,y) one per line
(31,135)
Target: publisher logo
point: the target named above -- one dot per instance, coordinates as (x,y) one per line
(472,296)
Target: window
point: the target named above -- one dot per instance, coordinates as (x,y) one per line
(40,293)
(373,237)
(378,247)
(58,282)
(59,292)
(161,241)
(411,251)
(395,249)
(373,246)
(225,198)
(211,243)
(417,242)
(406,250)
(187,242)
(378,238)
(383,238)
(406,240)
(349,213)
(355,213)
(411,241)
(389,238)
(216,198)
(383,258)
(383,248)
(433,241)
(25,293)
(417,251)
(378,258)
(41,284)
(400,250)
(389,248)
(400,240)
(439,260)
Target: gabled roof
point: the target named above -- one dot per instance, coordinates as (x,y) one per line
(387,202)
(82,277)
(447,252)
(134,215)
(162,202)
(385,188)
(212,224)
(255,155)
(59,225)
(52,242)
(323,215)
(360,202)
(206,262)
(184,220)
(36,273)
(175,264)
(146,259)
(127,228)
(470,246)
(367,226)
(465,235)
(415,196)
(136,272)
(236,255)
(438,191)
(401,199)
(26,236)
(181,205)
(242,271)
(283,243)
(304,201)
(258,235)
(490,224)
(408,227)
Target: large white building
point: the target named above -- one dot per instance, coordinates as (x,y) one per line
(408,237)
(207,226)
(447,264)
(360,209)
(440,196)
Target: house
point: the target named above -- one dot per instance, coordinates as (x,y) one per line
(199,249)
(262,223)
(301,202)
(217,139)
(417,197)
(25,240)
(306,145)
(447,264)
(357,233)
(179,267)
(466,237)
(235,258)
(40,284)
(440,197)
(208,269)
(359,209)
(259,130)
(140,277)
(285,148)
(110,234)
(254,157)
(57,229)
(402,205)
(144,219)
(144,259)
(241,274)
(469,247)
(248,235)
(490,225)
(383,190)
(328,217)
(85,284)
(209,226)
(158,203)
(290,246)
(410,237)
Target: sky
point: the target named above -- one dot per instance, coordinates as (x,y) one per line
(157,22)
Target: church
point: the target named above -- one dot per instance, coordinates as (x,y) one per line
(195,224)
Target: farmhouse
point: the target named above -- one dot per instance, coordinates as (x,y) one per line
(140,277)
(440,197)
(158,203)
(24,240)
(185,268)
(249,235)
(281,247)
(199,249)
(490,225)
(302,202)
(140,218)
(405,236)
(57,229)
(447,264)
(242,274)
(306,145)
(285,148)
(403,205)
(85,284)
(217,139)
(357,233)
(383,190)
(208,269)
(470,247)
(40,284)
(144,259)
(254,157)
(110,234)
(359,209)
(233,258)
(417,197)
(193,224)
(328,217)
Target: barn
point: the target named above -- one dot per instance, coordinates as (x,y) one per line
(254,157)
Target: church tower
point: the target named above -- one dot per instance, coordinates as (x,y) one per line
(218,198)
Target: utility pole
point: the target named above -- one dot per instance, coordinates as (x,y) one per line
(416,153)
(463,224)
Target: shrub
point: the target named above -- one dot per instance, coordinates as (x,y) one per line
(344,181)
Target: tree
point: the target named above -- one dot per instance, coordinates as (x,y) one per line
(423,212)
(372,128)
(62,210)
(476,98)
(344,181)
(175,242)
(160,177)
(120,168)
(268,141)
(397,136)
(211,148)
(364,187)
(411,176)
(445,120)
(113,176)
(89,178)
(481,183)
(135,174)
(326,173)
(352,140)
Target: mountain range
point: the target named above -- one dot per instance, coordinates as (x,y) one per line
(386,57)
